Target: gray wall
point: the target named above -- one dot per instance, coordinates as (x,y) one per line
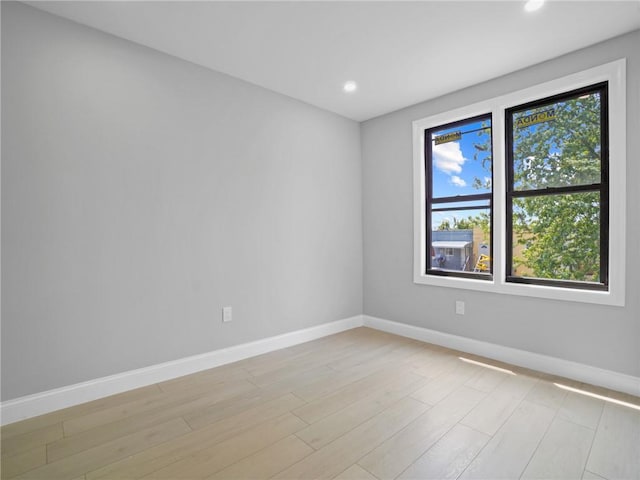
(606,337)
(141,193)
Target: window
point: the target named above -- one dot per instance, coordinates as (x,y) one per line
(557,184)
(511,195)
(459,190)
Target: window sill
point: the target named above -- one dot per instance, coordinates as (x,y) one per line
(525,290)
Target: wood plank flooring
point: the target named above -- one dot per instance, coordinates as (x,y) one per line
(361,404)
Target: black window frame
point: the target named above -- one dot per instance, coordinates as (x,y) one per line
(429,200)
(602,188)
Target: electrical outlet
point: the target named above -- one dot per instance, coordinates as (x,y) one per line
(459,307)
(227,314)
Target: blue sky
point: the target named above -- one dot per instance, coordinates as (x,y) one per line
(454,167)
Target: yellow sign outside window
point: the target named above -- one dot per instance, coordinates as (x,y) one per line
(534,118)
(447,137)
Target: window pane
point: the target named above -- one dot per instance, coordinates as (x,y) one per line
(557,237)
(558,144)
(461,158)
(460,241)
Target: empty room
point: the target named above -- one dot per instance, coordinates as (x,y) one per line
(365,240)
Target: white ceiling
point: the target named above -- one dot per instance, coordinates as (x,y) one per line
(399,53)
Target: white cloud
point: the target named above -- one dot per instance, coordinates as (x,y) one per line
(457,181)
(448,157)
(439,218)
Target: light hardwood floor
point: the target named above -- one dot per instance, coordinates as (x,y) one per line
(361,404)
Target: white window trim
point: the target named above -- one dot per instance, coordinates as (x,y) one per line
(615,74)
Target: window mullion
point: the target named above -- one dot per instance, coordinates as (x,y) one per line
(462,198)
(594,187)
(498,203)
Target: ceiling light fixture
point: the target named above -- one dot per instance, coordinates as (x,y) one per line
(533,5)
(350,86)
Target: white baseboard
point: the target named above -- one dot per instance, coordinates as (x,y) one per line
(534,361)
(51,400)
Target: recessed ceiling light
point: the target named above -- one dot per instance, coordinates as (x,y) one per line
(350,86)
(533,5)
